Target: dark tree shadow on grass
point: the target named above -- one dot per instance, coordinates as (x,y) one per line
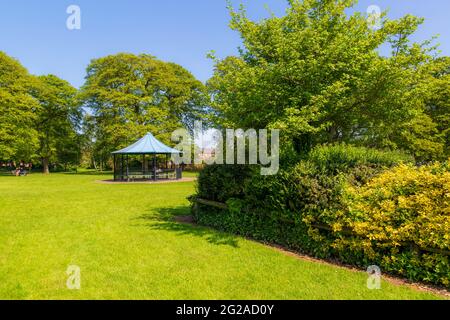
(166,219)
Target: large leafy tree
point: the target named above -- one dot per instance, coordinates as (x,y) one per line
(129,95)
(438,101)
(57,121)
(18,109)
(317,73)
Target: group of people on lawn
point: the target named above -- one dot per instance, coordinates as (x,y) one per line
(20,169)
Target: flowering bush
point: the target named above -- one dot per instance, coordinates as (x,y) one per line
(403,205)
(406,207)
(360,206)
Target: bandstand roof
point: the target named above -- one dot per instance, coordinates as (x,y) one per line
(148,145)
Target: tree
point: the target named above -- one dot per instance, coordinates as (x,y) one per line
(438,101)
(129,95)
(57,121)
(87,142)
(18,137)
(317,74)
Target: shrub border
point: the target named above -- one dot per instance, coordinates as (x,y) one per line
(412,245)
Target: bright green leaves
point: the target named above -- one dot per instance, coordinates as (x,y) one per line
(38,115)
(18,137)
(58,120)
(319,72)
(131,95)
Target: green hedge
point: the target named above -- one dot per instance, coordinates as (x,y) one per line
(223,182)
(308,208)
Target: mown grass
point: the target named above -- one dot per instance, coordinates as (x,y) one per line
(125,241)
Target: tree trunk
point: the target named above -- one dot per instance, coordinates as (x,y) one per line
(45,167)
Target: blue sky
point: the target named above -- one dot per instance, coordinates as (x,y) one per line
(173,30)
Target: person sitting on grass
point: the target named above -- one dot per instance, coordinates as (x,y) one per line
(23,172)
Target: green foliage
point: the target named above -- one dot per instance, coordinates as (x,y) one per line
(405,205)
(131,95)
(340,158)
(438,102)
(222,182)
(317,74)
(58,120)
(39,116)
(312,208)
(18,136)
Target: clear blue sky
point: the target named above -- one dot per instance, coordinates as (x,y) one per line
(173,30)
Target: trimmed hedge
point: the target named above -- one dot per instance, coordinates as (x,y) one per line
(222,182)
(329,206)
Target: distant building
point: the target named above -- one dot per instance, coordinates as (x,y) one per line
(208,153)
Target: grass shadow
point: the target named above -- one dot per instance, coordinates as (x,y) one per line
(164,219)
(13,175)
(89,173)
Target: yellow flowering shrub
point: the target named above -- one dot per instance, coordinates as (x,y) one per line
(357,205)
(401,218)
(403,205)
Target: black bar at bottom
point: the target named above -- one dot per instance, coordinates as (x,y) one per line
(226,309)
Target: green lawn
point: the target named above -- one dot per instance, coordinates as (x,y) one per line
(123,239)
